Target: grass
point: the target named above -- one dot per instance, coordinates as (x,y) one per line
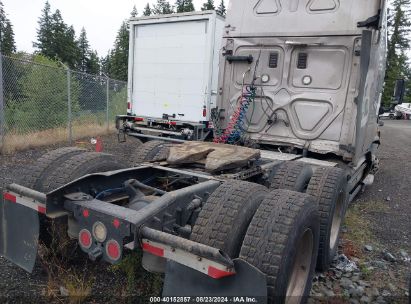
(139,282)
(360,233)
(16,142)
(358,224)
(79,286)
(57,255)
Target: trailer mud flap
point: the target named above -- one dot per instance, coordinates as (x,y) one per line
(248,282)
(19,229)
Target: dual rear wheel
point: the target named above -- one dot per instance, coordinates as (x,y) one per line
(55,169)
(285,233)
(277,232)
(328,187)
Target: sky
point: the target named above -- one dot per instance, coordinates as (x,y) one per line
(100,18)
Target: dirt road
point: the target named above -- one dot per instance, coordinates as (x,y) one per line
(380,218)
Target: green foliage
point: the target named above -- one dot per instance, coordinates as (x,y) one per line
(118,100)
(7,43)
(55,39)
(183,6)
(398,44)
(88,61)
(118,60)
(105,64)
(42,103)
(44,32)
(147,10)
(84,51)
(134,12)
(209,5)
(93,65)
(221,10)
(139,282)
(162,7)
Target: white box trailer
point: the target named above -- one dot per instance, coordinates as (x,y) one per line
(173,74)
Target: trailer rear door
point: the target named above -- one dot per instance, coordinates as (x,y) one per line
(171,69)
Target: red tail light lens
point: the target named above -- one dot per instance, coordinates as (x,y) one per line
(85,239)
(9,197)
(116,223)
(113,250)
(128,105)
(86,213)
(138,119)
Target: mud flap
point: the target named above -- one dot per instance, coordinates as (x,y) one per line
(248,282)
(19,234)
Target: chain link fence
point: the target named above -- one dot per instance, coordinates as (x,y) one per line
(43,104)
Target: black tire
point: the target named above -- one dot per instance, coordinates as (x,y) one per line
(292,175)
(54,231)
(409,292)
(78,166)
(328,186)
(284,228)
(154,150)
(224,219)
(35,175)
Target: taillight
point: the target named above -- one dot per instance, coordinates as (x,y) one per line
(10,197)
(85,239)
(138,119)
(113,250)
(128,105)
(172,123)
(205,111)
(86,213)
(99,232)
(116,223)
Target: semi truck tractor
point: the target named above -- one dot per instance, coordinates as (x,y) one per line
(255,211)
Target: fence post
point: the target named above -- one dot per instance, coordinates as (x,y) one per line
(2,107)
(69,114)
(108,103)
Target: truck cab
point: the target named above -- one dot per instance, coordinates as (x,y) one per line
(317,68)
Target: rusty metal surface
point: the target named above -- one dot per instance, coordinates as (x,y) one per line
(217,156)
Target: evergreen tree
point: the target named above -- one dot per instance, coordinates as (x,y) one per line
(55,39)
(209,5)
(134,12)
(7,42)
(162,7)
(147,10)
(118,62)
(93,65)
(183,6)
(105,63)
(84,51)
(221,10)
(45,32)
(398,44)
(64,44)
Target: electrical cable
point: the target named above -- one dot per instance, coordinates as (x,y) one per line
(236,127)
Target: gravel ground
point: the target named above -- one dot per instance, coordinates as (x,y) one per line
(359,275)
